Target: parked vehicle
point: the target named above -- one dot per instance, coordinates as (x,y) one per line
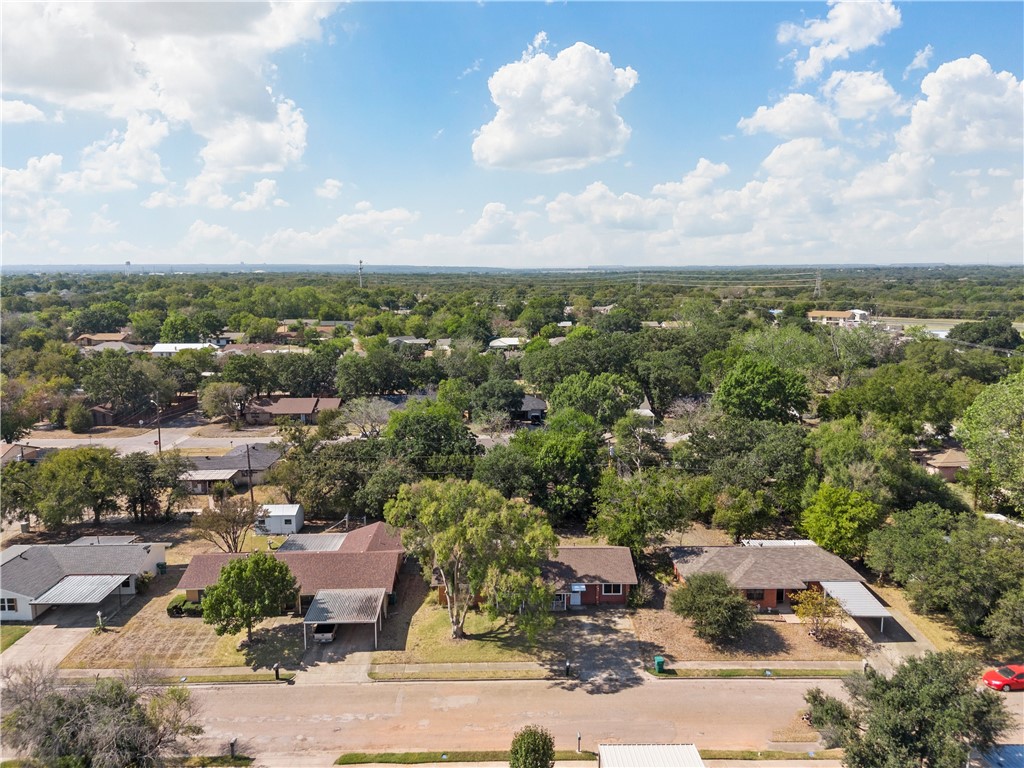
(1008,678)
(324,633)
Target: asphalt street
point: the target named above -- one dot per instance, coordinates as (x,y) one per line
(426,716)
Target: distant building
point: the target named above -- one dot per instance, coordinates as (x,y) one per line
(166,350)
(850,318)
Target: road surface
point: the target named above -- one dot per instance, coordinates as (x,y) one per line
(276,721)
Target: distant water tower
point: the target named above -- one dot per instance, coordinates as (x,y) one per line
(127,268)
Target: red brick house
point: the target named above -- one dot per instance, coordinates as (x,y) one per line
(583,576)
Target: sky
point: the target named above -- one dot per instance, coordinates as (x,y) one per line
(519,135)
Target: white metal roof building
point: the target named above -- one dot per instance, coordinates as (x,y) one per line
(856,600)
(347,606)
(648,756)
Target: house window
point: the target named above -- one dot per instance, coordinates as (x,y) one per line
(611,589)
(755,594)
(8,604)
(287,521)
(127,583)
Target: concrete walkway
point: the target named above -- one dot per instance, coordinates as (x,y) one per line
(809,665)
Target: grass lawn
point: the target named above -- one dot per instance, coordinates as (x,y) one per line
(795,673)
(457,674)
(10,634)
(144,631)
(417,758)
(428,637)
(938,629)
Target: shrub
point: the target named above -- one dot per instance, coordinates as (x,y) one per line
(142,582)
(182,606)
(641,594)
(719,613)
(532,747)
(77,418)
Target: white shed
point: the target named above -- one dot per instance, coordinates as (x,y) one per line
(648,756)
(281,519)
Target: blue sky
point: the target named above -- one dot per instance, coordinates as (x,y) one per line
(513,134)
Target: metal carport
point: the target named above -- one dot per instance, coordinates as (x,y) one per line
(347,606)
(856,600)
(81,590)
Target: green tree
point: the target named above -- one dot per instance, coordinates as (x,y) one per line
(251,371)
(432,438)
(101,317)
(19,492)
(250,588)
(638,444)
(77,418)
(506,469)
(74,480)
(637,512)
(931,712)
(755,388)
(1005,625)
(994,332)
(478,543)
(116,377)
(532,747)
(224,399)
(497,396)
(179,329)
(740,512)
(820,611)
(719,613)
(145,326)
(840,520)
(992,430)
(607,396)
(227,523)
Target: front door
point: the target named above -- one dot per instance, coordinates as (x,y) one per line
(575,598)
(780,596)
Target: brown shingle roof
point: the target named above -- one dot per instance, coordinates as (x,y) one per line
(372,538)
(590,565)
(764,567)
(951,458)
(312,570)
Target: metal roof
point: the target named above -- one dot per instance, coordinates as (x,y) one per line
(80,590)
(92,541)
(210,474)
(855,599)
(346,606)
(312,542)
(281,510)
(648,756)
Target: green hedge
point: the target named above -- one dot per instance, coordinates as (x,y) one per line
(182,606)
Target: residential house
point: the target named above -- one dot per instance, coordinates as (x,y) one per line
(415,342)
(116,346)
(167,350)
(770,573)
(850,318)
(531,409)
(367,558)
(590,576)
(242,466)
(581,576)
(238,348)
(34,578)
(301,409)
(92,339)
(27,453)
(947,464)
(506,343)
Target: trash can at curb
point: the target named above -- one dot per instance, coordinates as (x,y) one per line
(659,664)
(161,568)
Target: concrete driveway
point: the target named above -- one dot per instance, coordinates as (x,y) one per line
(55,634)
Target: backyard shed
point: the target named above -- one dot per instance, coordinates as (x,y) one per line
(278,519)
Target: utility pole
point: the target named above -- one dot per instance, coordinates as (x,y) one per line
(159,437)
(248,464)
(360,273)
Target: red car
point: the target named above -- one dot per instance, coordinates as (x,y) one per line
(1008,678)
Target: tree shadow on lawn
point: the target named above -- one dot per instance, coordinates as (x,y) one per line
(761,641)
(281,644)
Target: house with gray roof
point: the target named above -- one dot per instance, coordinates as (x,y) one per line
(85,572)
(242,466)
(770,573)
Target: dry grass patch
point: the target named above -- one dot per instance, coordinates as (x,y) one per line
(766,641)
(937,629)
(223,429)
(143,630)
(66,434)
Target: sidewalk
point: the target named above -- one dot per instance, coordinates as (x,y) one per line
(856,666)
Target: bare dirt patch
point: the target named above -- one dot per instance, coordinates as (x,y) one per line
(767,640)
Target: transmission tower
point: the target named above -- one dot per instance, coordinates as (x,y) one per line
(817,284)
(360,273)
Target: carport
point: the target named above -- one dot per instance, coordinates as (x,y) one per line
(347,606)
(856,600)
(82,590)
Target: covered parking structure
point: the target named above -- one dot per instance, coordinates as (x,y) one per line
(347,606)
(857,601)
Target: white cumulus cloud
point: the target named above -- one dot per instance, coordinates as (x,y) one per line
(860,95)
(697,182)
(555,114)
(597,205)
(849,27)
(330,189)
(797,114)
(966,108)
(497,225)
(920,61)
(17,111)
(264,193)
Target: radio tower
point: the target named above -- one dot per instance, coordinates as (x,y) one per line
(817,285)
(360,273)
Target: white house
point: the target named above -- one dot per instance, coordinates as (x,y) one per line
(84,572)
(166,350)
(506,342)
(279,519)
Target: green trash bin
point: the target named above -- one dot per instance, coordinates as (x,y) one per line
(659,664)
(161,568)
